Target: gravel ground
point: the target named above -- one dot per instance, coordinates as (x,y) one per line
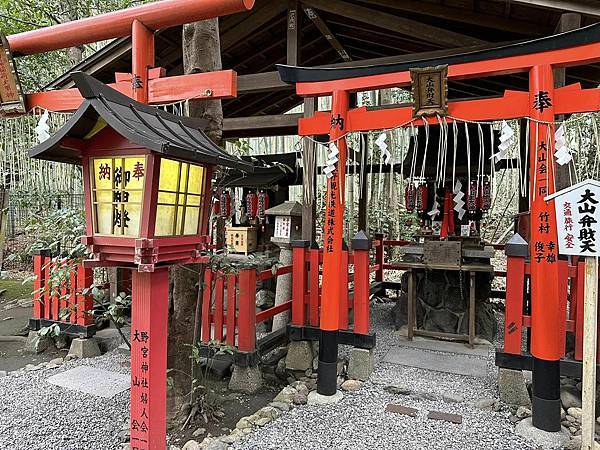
(36,415)
(359,421)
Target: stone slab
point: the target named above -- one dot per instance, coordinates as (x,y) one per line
(446,417)
(448,363)
(399,409)
(93,381)
(543,439)
(445,346)
(314,398)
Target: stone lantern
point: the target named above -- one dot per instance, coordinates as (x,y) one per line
(288,228)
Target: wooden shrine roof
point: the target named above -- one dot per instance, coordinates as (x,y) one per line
(147,126)
(357,32)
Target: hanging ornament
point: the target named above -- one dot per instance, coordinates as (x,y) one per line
(410,197)
(386,155)
(507,138)
(225,205)
(486,195)
(563,153)
(437,202)
(472,197)
(43,129)
(216,205)
(448,217)
(459,202)
(263,205)
(421,200)
(251,205)
(332,160)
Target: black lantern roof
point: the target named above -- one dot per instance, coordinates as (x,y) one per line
(147,126)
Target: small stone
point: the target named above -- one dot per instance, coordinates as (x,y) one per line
(300,356)
(217,445)
(484,404)
(576,413)
(246,379)
(84,348)
(302,388)
(300,398)
(3,373)
(253,418)
(573,430)
(247,430)
(123,436)
(398,389)
(192,445)
(314,398)
(70,357)
(243,423)
(281,406)
(199,432)
(268,412)
(512,387)
(286,395)
(514,419)
(452,398)
(262,422)
(573,444)
(570,397)
(361,364)
(57,361)
(352,385)
(280,369)
(233,437)
(341,366)
(523,412)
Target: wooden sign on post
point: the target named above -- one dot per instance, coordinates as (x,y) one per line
(11,95)
(577,209)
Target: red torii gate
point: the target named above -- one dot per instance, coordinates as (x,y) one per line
(537,58)
(144,84)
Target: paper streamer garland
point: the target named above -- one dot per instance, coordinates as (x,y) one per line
(507,138)
(385,152)
(459,202)
(563,153)
(43,129)
(332,160)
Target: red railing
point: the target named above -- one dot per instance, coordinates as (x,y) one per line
(229,306)
(51,300)
(517,317)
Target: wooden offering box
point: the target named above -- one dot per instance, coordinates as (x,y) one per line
(241,239)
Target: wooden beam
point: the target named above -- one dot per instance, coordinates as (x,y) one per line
(394,23)
(262,82)
(272,125)
(294,27)
(576,6)
(255,21)
(465,16)
(309,210)
(327,33)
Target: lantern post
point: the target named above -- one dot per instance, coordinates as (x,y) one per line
(543,250)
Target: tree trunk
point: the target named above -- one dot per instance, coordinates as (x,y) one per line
(201,53)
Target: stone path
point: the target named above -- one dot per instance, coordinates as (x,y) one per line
(360,420)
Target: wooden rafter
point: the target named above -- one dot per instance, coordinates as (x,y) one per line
(465,16)
(425,32)
(294,32)
(327,33)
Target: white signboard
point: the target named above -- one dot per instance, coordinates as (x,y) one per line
(578,219)
(283,227)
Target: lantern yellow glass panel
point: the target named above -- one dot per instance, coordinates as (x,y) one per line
(180,198)
(117,194)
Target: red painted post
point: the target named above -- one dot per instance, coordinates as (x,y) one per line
(219,304)
(563,287)
(231,308)
(47,265)
(314,276)
(545,303)
(344,293)
(247,311)
(379,258)
(361,245)
(206,305)
(39,284)
(299,278)
(149,330)
(73,296)
(516,251)
(142,56)
(85,303)
(579,299)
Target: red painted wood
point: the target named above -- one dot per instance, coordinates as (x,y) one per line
(64,294)
(73,297)
(162,14)
(142,57)
(206,305)
(314,276)
(203,86)
(148,222)
(55,299)
(513,322)
(272,312)
(579,296)
(219,305)
(85,303)
(563,287)
(47,266)
(379,258)
(247,311)
(361,292)
(298,286)
(231,308)
(38,286)
(344,292)
(149,331)
(575,56)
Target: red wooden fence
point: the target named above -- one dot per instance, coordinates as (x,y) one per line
(49,300)
(229,306)
(517,318)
